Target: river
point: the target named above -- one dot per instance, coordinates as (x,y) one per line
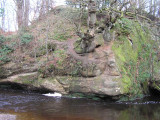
(16,105)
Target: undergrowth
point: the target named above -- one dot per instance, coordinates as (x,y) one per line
(5,49)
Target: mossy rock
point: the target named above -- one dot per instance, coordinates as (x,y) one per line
(77,47)
(28,79)
(132,49)
(52,84)
(99,41)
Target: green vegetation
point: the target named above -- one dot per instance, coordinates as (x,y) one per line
(25,38)
(57,65)
(4,49)
(66,63)
(42,50)
(124,27)
(29,80)
(133,50)
(60,36)
(77,46)
(60,56)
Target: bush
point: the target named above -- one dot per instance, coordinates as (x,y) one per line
(4,50)
(2,40)
(26,38)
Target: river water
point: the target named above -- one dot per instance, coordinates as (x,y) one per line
(26,106)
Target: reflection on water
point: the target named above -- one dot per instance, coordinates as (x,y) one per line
(38,107)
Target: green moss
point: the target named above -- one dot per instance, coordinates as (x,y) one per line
(124,26)
(126,83)
(30,80)
(156,86)
(132,50)
(145,87)
(99,39)
(77,46)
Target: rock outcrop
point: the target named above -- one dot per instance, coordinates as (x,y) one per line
(122,63)
(69,72)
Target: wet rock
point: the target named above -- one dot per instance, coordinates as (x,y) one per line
(102,85)
(52,84)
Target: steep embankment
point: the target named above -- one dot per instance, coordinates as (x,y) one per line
(136,50)
(126,66)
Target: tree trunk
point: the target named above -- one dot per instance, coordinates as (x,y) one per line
(155,7)
(42,10)
(91,17)
(20,10)
(47,6)
(87,39)
(151,7)
(26,13)
(3,14)
(46,41)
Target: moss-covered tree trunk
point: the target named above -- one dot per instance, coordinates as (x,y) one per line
(87,39)
(91,17)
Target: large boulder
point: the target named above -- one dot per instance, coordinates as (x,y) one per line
(101,85)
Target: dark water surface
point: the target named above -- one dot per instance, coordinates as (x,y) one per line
(25,106)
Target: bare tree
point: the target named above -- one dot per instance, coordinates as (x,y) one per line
(22,12)
(151,7)
(110,16)
(42,9)
(26,12)
(3,3)
(45,6)
(19,12)
(87,38)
